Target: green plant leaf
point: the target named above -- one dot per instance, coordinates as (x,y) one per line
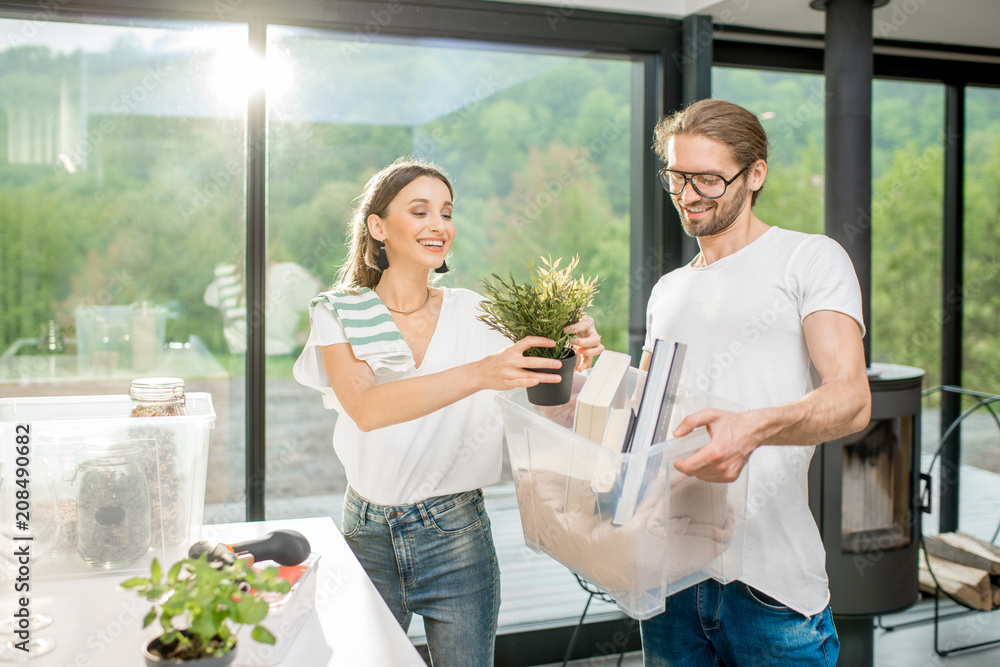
(544,305)
(134,582)
(204,625)
(252,610)
(175,572)
(263,635)
(206,599)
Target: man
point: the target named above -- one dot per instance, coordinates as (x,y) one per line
(773,320)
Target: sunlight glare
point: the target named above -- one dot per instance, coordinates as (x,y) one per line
(239,73)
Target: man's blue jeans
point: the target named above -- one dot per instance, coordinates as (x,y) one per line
(435,558)
(712,624)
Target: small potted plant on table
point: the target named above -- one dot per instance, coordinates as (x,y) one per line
(544,305)
(201,605)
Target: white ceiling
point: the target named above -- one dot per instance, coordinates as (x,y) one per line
(964,22)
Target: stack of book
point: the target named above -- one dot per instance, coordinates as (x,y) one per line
(603,415)
(603,394)
(652,422)
(600,416)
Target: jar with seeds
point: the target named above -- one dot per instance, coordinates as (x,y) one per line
(112,506)
(157,397)
(162,455)
(59,452)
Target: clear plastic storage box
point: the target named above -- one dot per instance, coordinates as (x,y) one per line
(109,491)
(682,531)
(287,614)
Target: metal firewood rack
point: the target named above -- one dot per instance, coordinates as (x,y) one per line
(984,400)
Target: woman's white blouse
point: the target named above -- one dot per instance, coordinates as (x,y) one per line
(451,450)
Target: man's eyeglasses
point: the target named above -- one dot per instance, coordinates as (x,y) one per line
(709,186)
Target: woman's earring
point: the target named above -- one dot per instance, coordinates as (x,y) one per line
(443,268)
(383,262)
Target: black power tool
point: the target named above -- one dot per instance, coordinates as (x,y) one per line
(285,547)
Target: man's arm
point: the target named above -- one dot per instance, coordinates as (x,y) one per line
(841,405)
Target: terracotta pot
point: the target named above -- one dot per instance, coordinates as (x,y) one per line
(551,393)
(154,660)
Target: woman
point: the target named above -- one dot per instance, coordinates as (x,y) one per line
(413,374)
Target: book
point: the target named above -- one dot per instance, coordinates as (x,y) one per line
(658,396)
(620,424)
(652,422)
(604,391)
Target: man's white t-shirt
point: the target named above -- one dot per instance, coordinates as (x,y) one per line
(457,448)
(741,318)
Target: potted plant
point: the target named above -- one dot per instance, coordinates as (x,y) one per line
(544,305)
(201,605)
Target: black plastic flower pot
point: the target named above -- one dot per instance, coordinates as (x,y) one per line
(552,393)
(151,653)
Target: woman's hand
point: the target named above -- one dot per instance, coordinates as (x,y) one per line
(510,369)
(587,341)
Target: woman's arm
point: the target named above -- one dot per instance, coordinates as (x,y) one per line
(373,406)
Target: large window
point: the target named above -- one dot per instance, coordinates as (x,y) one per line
(123,203)
(907,163)
(122,152)
(981,280)
(537,144)
(907,212)
(792,109)
(981,296)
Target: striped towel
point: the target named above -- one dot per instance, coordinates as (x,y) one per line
(370,330)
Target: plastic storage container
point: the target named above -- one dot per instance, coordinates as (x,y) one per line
(112,340)
(286,615)
(683,530)
(81,436)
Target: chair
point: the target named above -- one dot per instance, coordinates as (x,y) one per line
(594,592)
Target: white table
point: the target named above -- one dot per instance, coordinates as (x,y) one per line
(97,624)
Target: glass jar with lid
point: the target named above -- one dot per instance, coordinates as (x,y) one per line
(163,455)
(157,397)
(112,503)
(58,451)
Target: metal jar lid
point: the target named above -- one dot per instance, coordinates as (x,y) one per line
(156,389)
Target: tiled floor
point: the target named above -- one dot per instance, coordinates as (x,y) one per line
(539,592)
(905,647)
(911,646)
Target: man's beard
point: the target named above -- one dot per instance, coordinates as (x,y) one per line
(722,218)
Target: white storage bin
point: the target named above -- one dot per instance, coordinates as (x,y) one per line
(683,531)
(76,439)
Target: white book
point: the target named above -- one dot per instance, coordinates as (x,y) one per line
(604,391)
(620,423)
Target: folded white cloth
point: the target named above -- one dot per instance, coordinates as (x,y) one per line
(370,330)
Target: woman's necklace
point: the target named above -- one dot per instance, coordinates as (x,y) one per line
(407,312)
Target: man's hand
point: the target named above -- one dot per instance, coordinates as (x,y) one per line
(734,439)
(841,405)
(587,342)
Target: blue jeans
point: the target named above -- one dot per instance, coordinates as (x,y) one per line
(435,558)
(734,625)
